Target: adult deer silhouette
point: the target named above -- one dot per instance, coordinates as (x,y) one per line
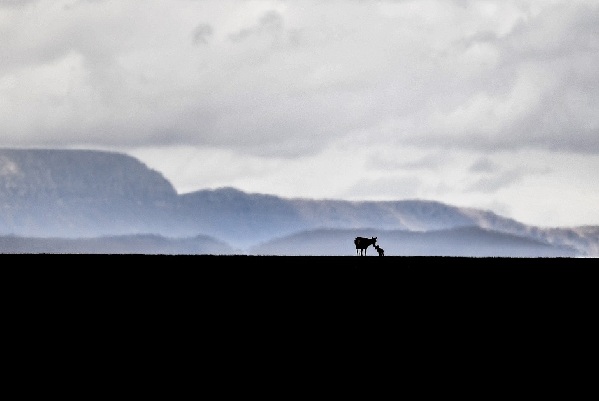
(362,244)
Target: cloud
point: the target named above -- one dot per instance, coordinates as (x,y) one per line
(484,165)
(385,188)
(16,3)
(294,76)
(494,182)
(399,88)
(202,34)
(271,22)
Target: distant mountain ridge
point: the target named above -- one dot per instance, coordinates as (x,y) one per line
(463,241)
(72,194)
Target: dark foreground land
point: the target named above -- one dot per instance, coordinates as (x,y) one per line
(196,274)
(245,302)
(206,264)
(203,265)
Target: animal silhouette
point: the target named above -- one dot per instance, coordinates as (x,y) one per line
(362,244)
(380,250)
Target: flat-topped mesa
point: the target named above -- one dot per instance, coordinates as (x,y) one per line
(71,193)
(58,173)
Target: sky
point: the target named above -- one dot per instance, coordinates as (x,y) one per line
(490,104)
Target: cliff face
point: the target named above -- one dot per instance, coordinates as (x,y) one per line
(58,174)
(79,193)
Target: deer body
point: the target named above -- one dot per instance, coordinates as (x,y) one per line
(362,244)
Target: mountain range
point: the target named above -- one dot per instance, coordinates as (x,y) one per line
(89,201)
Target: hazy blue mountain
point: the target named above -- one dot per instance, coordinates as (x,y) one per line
(463,241)
(248,220)
(73,194)
(145,244)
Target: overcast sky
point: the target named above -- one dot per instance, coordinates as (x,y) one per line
(487,104)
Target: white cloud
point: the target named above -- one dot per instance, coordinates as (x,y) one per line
(339,98)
